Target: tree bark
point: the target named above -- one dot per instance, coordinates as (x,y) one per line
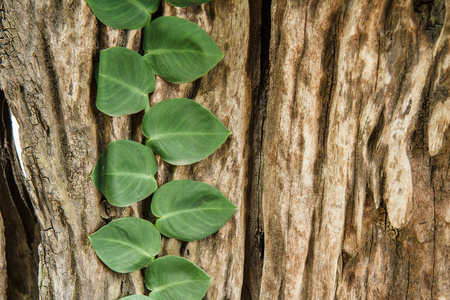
(48,53)
(338,159)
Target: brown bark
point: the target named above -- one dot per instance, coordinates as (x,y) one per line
(349,205)
(338,160)
(226,92)
(48,52)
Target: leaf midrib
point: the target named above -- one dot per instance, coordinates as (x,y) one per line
(127,174)
(137,90)
(172,134)
(179,212)
(128,245)
(167,51)
(166,286)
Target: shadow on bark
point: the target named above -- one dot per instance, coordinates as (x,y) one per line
(20,224)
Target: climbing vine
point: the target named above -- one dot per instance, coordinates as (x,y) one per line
(179,130)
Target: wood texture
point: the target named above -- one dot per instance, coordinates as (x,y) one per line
(348,196)
(338,159)
(48,53)
(226,92)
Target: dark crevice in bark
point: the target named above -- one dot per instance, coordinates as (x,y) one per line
(408,277)
(369,256)
(183,246)
(381,174)
(431,15)
(20,223)
(399,264)
(193,89)
(375,135)
(158,13)
(258,69)
(327,90)
(15,184)
(309,263)
(434,244)
(64,154)
(229,292)
(58,114)
(419,146)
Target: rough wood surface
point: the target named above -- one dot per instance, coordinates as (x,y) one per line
(338,159)
(350,205)
(48,53)
(226,92)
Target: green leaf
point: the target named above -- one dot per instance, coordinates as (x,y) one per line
(136,297)
(127,244)
(125,172)
(124,14)
(186,3)
(182,131)
(179,50)
(124,81)
(190,210)
(173,277)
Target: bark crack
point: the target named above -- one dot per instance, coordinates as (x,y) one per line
(259,47)
(18,218)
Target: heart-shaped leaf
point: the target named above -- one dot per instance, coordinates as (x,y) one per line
(190,210)
(173,277)
(179,50)
(136,297)
(124,81)
(182,131)
(186,3)
(124,14)
(125,172)
(127,244)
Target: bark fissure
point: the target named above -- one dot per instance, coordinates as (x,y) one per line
(259,48)
(19,222)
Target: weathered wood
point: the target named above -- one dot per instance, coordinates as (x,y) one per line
(338,159)
(347,194)
(226,92)
(48,53)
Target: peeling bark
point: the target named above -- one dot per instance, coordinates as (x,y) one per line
(338,159)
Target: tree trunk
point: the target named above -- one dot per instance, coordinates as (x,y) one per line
(338,160)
